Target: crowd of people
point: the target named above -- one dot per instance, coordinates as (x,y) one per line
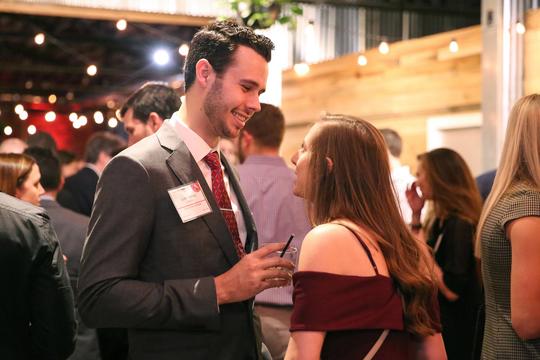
(165,247)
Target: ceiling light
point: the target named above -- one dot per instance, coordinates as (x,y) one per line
(31,129)
(82,120)
(183,49)
(50,116)
(19,109)
(98,117)
(112,122)
(520,28)
(52,99)
(8,130)
(70,96)
(73,117)
(91,70)
(384,48)
(301,69)
(453,46)
(161,57)
(362,60)
(39,39)
(28,84)
(23,115)
(121,24)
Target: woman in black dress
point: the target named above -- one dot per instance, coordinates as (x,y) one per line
(445,180)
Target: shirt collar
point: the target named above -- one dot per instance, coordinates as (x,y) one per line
(195,144)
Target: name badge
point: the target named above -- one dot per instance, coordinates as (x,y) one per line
(190,201)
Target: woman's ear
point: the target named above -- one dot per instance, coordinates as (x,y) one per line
(329,164)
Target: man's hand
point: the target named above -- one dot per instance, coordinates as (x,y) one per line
(254,273)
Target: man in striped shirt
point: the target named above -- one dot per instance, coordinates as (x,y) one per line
(267,184)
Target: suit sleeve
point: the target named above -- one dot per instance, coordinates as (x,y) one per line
(53,324)
(110,291)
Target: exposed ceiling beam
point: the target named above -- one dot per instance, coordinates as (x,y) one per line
(102,14)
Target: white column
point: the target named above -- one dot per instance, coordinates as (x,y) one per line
(502,72)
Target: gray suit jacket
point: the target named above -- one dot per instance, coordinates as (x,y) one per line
(145,270)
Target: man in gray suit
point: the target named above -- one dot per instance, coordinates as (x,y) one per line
(70,227)
(171,252)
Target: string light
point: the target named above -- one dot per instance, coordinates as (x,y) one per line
(31,129)
(82,120)
(8,130)
(50,116)
(161,57)
(73,117)
(520,28)
(23,115)
(39,39)
(19,109)
(362,60)
(384,48)
(183,49)
(52,99)
(98,117)
(112,122)
(453,46)
(121,24)
(91,70)
(301,69)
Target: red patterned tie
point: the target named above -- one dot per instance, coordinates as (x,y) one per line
(222,198)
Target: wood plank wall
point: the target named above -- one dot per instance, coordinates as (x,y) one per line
(419,78)
(532,52)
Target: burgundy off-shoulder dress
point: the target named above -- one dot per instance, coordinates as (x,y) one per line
(353,311)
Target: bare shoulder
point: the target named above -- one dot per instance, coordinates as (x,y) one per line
(325,247)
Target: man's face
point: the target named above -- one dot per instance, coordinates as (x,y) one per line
(135,128)
(233,97)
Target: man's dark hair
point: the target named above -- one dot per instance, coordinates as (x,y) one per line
(101,141)
(49,167)
(42,140)
(267,126)
(152,97)
(66,157)
(218,42)
(393,141)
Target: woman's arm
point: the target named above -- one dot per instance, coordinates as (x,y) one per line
(305,345)
(525,274)
(431,348)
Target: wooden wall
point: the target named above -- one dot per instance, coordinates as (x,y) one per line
(532,52)
(419,78)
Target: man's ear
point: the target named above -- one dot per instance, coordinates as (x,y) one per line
(154,121)
(203,72)
(329,164)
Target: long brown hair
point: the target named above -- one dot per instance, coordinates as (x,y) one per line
(358,187)
(453,188)
(14,170)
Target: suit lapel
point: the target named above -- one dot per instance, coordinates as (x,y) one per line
(184,167)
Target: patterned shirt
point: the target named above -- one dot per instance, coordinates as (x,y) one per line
(267,184)
(500,339)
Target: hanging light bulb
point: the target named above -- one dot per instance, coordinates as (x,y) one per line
(301,69)
(384,48)
(362,60)
(183,49)
(8,130)
(31,130)
(121,24)
(39,39)
(50,116)
(453,46)
(91,70)
(520,28)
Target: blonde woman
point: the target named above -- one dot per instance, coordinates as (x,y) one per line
(508,233)
(364,288)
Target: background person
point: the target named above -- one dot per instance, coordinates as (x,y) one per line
(445,179)
(508,237)
(145,110)
(267,183)
(20,177)
(360,256)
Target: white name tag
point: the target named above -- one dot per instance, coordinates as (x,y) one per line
(190,201)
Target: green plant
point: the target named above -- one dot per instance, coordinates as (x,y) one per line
(261,14)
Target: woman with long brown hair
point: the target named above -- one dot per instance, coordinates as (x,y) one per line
(446,181)
(19,177)
(364,284)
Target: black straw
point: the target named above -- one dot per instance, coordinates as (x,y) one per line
(286,245)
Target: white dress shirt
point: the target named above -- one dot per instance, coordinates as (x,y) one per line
(199,149)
